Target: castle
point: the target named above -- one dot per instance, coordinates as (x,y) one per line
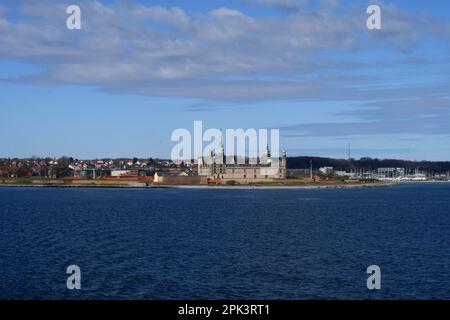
(229,170)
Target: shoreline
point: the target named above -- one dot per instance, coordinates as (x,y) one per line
(295,187)
(227,187)
(207,187)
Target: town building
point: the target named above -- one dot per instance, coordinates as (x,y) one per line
(183,178)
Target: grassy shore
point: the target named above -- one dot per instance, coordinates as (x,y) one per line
(284,184)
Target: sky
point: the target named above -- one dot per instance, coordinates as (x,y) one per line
(138,70)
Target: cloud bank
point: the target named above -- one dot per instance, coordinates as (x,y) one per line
(224,54)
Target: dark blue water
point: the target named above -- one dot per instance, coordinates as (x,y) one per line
(225,244)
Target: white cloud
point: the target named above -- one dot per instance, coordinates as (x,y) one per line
(221,54)
(226,12)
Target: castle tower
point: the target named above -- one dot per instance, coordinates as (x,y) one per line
(221,158)
(283,167)
(265,159)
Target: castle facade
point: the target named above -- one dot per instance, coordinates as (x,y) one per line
(229,170)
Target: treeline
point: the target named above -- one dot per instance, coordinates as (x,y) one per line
(367,164)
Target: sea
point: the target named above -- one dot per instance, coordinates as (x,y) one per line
(275,244)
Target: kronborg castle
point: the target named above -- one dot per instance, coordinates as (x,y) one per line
(228,169)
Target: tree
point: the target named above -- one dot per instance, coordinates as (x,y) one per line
(62,170)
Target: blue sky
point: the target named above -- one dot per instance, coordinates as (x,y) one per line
(137,70)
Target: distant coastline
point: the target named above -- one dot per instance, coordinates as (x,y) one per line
(208,187)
